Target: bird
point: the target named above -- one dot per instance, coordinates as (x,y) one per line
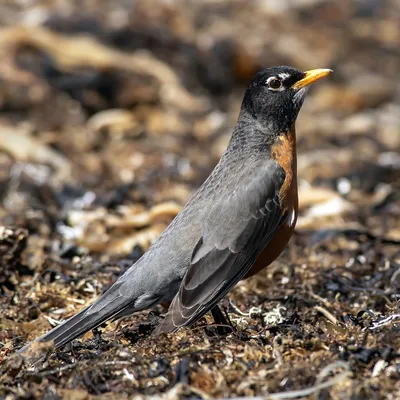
(237,223)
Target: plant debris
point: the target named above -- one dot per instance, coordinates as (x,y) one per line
(113,113)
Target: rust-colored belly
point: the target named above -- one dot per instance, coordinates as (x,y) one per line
(285,153)
(275,247)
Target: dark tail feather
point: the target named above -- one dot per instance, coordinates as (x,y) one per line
(69,330)
(73,328)
(76,326)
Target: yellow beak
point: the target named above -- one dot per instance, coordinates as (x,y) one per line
(311,76)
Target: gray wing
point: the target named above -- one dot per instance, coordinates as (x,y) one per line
(234,233)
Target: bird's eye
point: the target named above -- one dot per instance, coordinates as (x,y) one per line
(274,83)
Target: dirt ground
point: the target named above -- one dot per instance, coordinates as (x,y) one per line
(113,113)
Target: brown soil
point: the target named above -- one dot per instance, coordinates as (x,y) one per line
(113,113)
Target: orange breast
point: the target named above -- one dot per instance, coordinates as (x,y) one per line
(284,152)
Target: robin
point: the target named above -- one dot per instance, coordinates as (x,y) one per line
(236,224)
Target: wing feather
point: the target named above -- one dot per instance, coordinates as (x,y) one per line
(236,230)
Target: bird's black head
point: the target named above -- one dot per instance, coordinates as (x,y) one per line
(276,94)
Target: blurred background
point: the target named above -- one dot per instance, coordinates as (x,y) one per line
(113,112)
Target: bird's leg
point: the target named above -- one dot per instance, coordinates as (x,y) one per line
(116,329)
(220,319)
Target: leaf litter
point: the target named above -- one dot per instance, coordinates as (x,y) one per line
(113,114)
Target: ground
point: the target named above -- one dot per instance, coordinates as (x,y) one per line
(113,113)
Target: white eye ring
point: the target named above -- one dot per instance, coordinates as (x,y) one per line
(274,83)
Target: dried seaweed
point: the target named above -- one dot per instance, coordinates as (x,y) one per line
(113,113)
